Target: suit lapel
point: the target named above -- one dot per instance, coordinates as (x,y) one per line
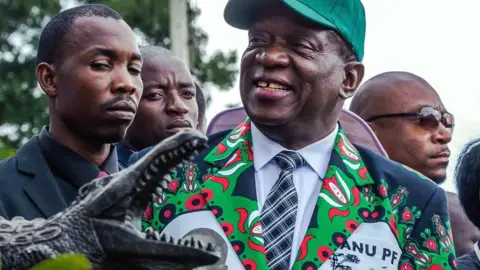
(41,189)
(231,195)
(339,208)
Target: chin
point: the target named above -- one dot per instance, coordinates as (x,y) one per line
(113,135)
(268,115)
(438,177)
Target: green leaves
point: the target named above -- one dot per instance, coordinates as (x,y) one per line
(65,262)
(23,106)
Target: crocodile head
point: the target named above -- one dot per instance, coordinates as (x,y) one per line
(116,203)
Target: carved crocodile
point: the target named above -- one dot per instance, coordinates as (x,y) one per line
(103,222)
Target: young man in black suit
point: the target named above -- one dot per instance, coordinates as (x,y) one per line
(89,67)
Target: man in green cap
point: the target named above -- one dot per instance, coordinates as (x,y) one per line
(286,189)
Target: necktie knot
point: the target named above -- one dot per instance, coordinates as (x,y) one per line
(289,160)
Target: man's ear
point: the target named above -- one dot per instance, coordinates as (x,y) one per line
(45,74)
(354,72)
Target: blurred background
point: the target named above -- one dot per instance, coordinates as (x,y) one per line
(436,40)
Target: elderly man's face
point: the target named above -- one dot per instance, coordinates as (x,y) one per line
(290,71)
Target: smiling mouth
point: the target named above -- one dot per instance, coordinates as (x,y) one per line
(272,86)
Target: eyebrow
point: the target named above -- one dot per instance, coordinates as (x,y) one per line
(187,84)
(112,53)
(159,84)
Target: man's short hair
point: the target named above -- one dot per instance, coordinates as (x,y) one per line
(50,44)
(200,101)
(155,51)
(467,176)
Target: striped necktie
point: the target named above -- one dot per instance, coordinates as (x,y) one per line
(280,211)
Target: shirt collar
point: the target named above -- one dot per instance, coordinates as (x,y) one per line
(73,166)
(317,154)
(477,249)
(123,154)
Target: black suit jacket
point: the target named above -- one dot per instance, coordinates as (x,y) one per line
(28,187)
(468,261)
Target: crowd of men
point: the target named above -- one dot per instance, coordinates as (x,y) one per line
(285,189)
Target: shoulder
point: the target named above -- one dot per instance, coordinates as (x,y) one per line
(468,261)
(7,168)
(26,159)
(213,141)
(399,177)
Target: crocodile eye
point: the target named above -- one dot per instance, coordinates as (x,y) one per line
(85,189)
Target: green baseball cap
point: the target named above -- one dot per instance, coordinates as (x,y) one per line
(346,17)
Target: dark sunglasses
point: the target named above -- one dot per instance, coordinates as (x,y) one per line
(428,117)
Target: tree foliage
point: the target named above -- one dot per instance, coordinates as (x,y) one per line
(23,109)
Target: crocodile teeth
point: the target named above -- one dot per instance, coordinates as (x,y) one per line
(183,150)
(179,165)
(185,162)
(199,244)
(171,240)
(167,177)
(163,238)
(170,155)
(164,158)
(141,182)
(129,216)
(172,170)
(153,168)
(175,152)
(164,184)
(147,177)
(159,190)
(192,242)
(154,235)
(195,143)
(210,247)
(191,157)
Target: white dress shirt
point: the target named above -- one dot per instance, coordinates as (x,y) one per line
(307,179)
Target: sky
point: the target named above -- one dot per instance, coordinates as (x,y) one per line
(437,40)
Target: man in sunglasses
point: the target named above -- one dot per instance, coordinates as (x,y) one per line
(410,120)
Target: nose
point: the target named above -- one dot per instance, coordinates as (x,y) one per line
(442,135)
(273,56)
(175,104)
(127,83)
